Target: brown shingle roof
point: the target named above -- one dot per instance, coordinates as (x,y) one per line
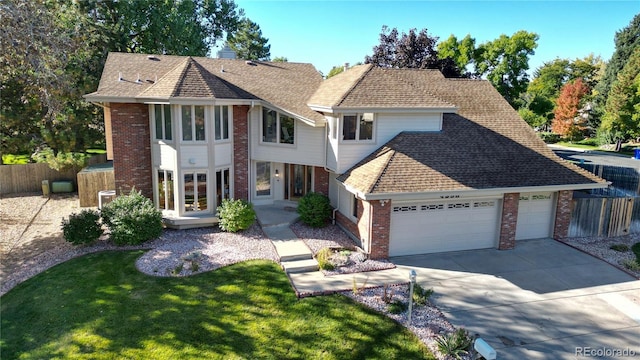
(366,86)
(486,145)
(285,85)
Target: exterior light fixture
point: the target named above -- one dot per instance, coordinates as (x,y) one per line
(277,173)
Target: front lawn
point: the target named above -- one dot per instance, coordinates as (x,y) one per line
(100,307)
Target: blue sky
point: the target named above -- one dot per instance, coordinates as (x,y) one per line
(328,33)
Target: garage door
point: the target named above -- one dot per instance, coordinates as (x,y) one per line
(430,227)
(535,216)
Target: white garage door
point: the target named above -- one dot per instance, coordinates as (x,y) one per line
(430,227)
(535,216)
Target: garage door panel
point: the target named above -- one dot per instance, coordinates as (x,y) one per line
(535,216)
(444,226)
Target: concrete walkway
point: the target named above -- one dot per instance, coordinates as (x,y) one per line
(298,263)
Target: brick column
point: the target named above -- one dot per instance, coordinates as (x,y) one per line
(131,139)
(509,221)
(563,214)
(380,228)
(240,152)
(320,180)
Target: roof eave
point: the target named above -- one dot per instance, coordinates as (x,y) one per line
(93,97)
(343,109)
(400,196)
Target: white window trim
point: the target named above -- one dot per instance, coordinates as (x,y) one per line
(156,190)
(278,128)
(230,184)
(354,207)
(183,204)
(152,118)
(255,180)
(229,124)
(357,139)
(193,125)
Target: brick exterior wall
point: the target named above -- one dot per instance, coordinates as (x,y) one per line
(509,221)
(563,214)
(380,229)
(240,152)
(131,139)
(320,180)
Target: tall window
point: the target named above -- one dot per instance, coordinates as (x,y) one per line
(162,115)
(221,122)
(195,191)
(193,123)
(222,186)
(277,128)
(263,178)
(357,127)
(354,206)
(165,190)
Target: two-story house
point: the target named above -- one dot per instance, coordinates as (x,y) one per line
(412,162)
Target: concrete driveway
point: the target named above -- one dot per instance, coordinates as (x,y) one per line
(542,300)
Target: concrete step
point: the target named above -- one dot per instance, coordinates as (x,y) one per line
(300,266)
(289,250)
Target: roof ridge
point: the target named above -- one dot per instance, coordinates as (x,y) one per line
(411,82)
(390,153)
(201,70)
(166,75)
(355,83)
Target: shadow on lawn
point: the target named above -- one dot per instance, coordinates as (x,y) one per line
(102,306)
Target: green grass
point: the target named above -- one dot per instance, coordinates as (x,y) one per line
(10,159)
(626,149)
(100,307)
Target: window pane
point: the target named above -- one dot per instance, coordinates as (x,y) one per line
(349,127)
(225,122)
(186,123)
(168,134)
(202,191)
(269,126)
(263,178)
(225,179)
(169,188)
(366,127)
(354,207)
(199,119)
(189,193)
(157,109)
(287,126)
(219,187)
(161,190)
(217,110)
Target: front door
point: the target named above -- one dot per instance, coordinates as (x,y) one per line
(297,180)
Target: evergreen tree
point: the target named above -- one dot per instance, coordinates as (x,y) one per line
(248,42)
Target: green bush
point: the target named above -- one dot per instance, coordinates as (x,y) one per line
(314,209)
(454,344)
(549,138)
(132,219)
(636,250)
(619,247)
(588,142)
(82,228)
(323,257)
(421,295)
(397,307)
(235,215)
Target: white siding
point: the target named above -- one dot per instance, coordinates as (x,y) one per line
(194,156)
(347,154)
(222,154)
(346,199)
(334,188)
(163,155)
(307,150)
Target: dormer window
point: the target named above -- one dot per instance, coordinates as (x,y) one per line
(357,127)
(277,128)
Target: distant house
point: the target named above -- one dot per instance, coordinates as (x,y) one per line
(412,162)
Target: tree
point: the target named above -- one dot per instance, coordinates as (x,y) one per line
(622,110)
(626,41)
(416,50)
(570,116)
(188,27)
(462,52)
(280,59)
(248,42)
(335,71)
(505,61)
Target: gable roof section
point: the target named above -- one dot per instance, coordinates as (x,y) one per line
(485,146)
(287,86)
(367,86)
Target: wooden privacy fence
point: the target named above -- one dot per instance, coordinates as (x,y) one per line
(28,177)
(92,180)
(598,216)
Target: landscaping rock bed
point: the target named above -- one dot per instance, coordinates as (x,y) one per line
(600,247)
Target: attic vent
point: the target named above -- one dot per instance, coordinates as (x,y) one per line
(150,81)
(249,62)
(152,58)
(139,81)
(120,76)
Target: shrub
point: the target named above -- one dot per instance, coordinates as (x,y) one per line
(132,219)
(314,209)
(235,215)
(397,307)
(549,138)
(636,250)
(324,259)
(631,264)
(455,344)
(619,247)
(82,228)
(421,295)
